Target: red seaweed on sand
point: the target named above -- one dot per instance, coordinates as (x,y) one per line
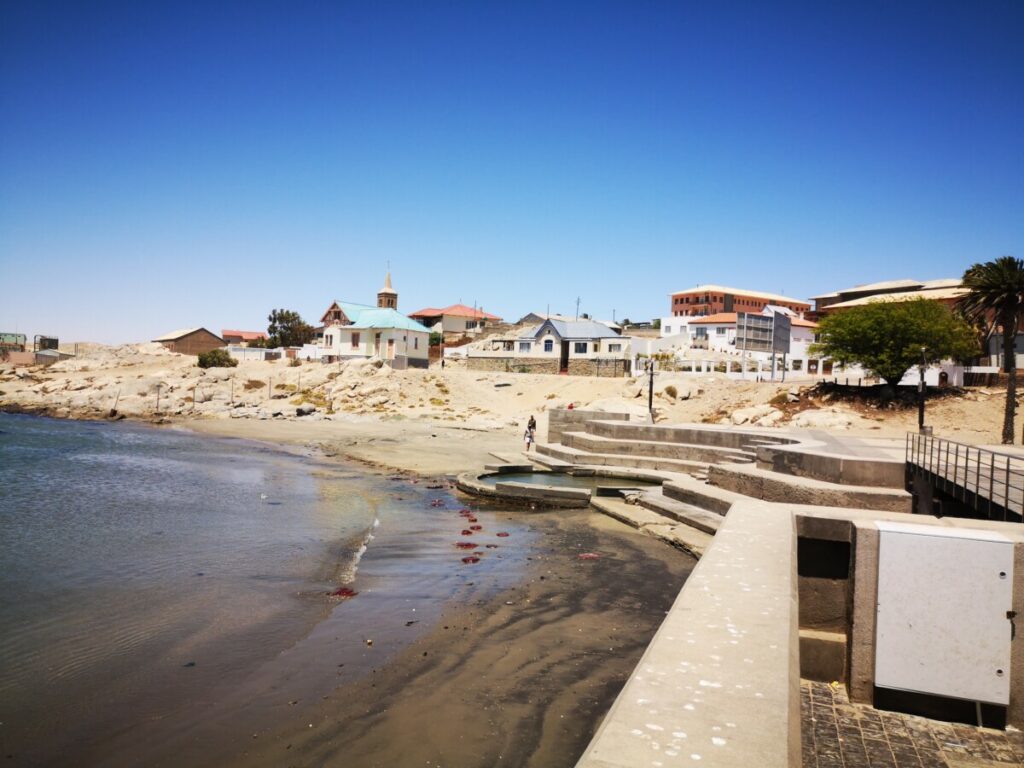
(471,559)
(503,534)
(589,556)
(343,592)
(476,527)
(467,532)
(465,545)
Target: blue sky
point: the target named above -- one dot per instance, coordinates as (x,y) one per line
(169,165)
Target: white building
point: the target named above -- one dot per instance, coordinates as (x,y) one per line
(581,347)
(458,318)
(359,330)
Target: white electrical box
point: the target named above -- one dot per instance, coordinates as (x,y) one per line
(944,597)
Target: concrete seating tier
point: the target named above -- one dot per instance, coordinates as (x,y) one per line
(820,465)
(703,435)
(756,483)
(654,448)
(579,457)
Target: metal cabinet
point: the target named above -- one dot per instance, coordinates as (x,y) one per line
(944,612)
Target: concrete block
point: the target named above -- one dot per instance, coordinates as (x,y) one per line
(822,655)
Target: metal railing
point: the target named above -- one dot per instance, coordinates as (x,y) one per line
(988,481)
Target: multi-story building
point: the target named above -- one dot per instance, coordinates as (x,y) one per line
(947,291)
(714,299)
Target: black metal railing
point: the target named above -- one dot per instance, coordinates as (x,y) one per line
(989,481)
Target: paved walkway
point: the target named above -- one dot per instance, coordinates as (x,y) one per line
(838,734)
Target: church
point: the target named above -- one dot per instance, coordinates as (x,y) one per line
(361,331)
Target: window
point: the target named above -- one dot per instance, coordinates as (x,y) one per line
(355,341)
(614,347)
(581,347)
(720,331)
(524,346)
(549,345)
(668,329)
(415,342)
(329,340)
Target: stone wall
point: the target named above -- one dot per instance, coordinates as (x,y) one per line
(596,366)
(511,365)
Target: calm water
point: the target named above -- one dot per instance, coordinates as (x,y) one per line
(148,574)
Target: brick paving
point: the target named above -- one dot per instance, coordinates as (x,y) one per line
(838,734)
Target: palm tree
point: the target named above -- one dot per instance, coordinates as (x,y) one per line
(996,300)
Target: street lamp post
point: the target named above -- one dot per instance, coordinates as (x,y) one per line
(650,388)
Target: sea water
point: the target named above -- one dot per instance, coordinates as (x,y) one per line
(145,573)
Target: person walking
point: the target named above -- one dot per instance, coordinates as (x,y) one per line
(531,433)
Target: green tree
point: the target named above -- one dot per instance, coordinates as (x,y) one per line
(886,338)
(995,301)
(287,329)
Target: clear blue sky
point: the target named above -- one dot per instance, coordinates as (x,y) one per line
(174,164)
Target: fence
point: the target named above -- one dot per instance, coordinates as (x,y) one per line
(985,480)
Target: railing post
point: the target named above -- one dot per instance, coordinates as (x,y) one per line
(991,481)
(956,467)
(1006,490)
(977,477)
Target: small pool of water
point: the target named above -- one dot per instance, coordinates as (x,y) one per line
(563,480)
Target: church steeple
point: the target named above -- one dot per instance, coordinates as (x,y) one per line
(387,297)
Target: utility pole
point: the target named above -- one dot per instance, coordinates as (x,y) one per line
(577,307)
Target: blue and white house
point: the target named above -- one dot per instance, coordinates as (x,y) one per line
(360,331)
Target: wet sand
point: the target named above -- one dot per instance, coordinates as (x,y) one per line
(522,679)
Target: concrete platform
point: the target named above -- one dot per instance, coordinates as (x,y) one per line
(699,494)
(764,484)
(579,457)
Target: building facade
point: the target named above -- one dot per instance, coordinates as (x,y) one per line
(455,319)
(581,348)
(714,299)
(191,341)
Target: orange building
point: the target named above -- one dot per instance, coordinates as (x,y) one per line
(712,299)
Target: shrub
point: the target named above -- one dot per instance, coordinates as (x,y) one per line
(216,358)
(671,391)
(252,384)
(294,363)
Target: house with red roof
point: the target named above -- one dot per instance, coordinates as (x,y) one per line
(242,338)
(456,319)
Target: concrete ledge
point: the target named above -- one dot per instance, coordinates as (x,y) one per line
(576,456)
(721,678)
(845,470)
(772,486)
(521,493)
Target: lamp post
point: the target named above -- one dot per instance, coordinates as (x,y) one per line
(650,388)
(920,393)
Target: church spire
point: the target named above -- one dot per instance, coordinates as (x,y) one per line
(387,297)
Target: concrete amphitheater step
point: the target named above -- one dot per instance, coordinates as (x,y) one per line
(580,457)
(586,441)
(688,514)
(699,494)
(678,535)
(753,482)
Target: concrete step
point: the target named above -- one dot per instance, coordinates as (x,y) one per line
(577,457)
(695,517)
(680,536)
(585,441)
(701,495)
(553,464)
(756,483)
